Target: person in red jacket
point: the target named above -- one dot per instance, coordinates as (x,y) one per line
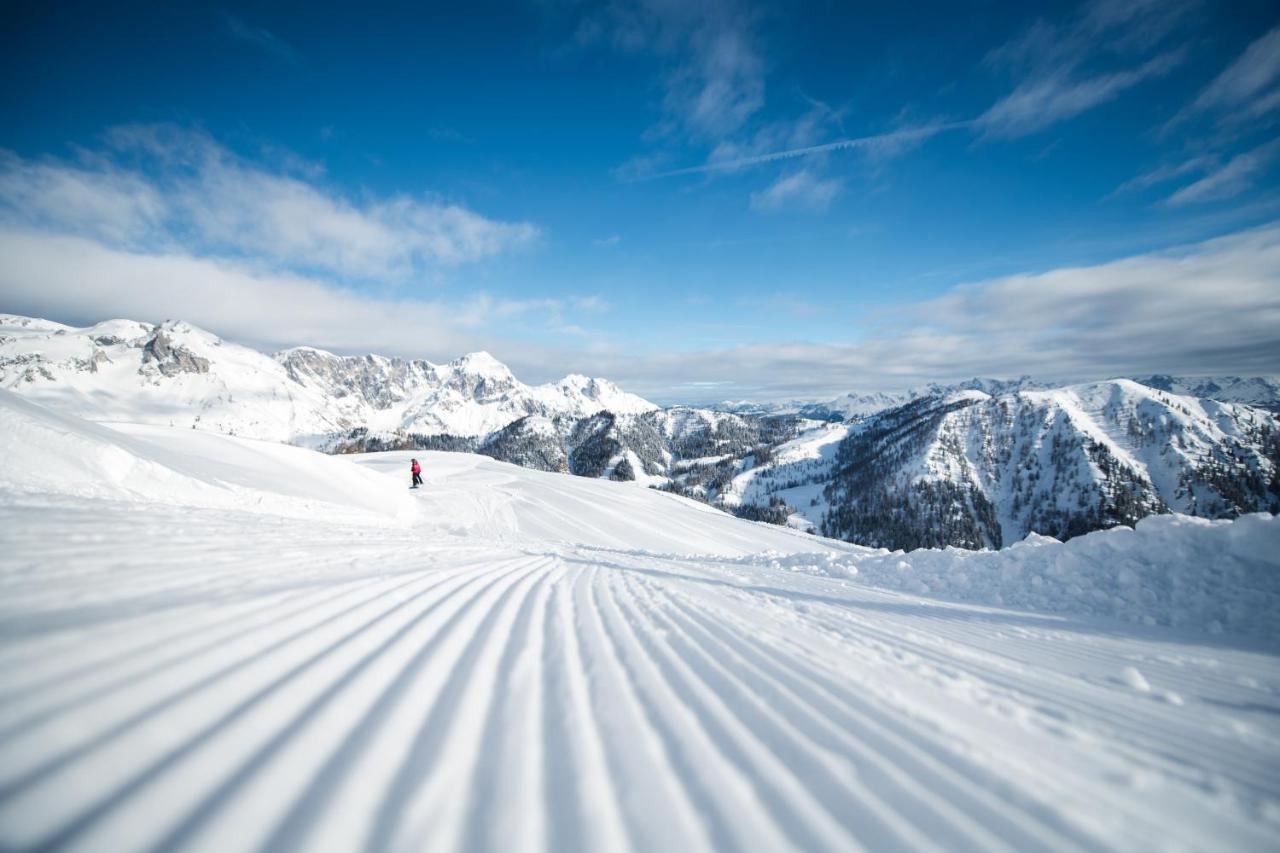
(417,473)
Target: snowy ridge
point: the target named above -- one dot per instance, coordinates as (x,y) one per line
(175,374)
(1259,391)
(981,471)
(548,662)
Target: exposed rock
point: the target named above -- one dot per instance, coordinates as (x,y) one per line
(171,359)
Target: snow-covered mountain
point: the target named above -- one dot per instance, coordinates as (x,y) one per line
(858,404)
(1260,391)
(176,374)
(976,470)
(654,448)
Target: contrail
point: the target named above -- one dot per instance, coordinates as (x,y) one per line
(881,139)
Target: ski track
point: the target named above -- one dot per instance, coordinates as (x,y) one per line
(432,691)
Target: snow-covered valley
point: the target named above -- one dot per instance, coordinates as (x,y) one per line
(208,642)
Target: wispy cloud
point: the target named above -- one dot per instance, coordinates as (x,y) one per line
(1166,173)
(1248,86)
(800,190)
(261,38)
(449,134)
(713,76)
(1233,178)
(592,304)
(1055,63)
(1041,102)
(164,188)
(881,143)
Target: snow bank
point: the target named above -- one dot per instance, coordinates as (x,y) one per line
(43,452)
(1175,570)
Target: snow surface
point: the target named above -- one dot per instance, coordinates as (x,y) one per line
(1176,570)
(538,662)
(44,453)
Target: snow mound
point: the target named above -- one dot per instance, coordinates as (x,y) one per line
(43,452)
(483,499)
(1173,570)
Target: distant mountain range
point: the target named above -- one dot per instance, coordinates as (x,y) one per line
(174,373)
(1262,392)
(975,464)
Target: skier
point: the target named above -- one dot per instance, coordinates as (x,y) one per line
(417,473)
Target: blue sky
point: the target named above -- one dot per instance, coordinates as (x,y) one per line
(700,201)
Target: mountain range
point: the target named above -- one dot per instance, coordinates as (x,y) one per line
(978,464)
(176,374)
(1261,392)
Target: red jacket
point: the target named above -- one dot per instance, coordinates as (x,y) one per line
(417,469)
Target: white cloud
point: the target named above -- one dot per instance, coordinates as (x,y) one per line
(1248,80)
(163,187)
(80,280)
(592,304)
(261,38)
(100,199)
(881,144)
(1042,101)
(713,79)
(1211,307)
(1231,179)
(1055,62)
(167,223)
(720,86)
(1207,308)
(797,191)
(1166,173)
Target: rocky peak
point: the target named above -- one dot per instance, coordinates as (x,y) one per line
(170,358)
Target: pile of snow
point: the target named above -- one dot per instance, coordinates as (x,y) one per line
(1173,570)
(45,453)
(483,499)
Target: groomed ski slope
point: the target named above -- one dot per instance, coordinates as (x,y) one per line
(512,660)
